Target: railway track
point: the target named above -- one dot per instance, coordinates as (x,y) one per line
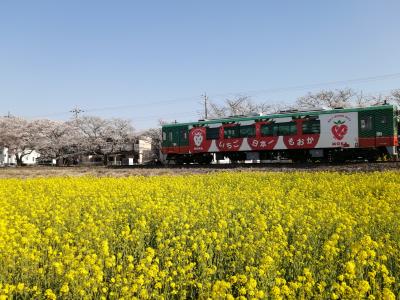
(381,165)
(168,170)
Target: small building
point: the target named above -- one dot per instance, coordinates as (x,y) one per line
(4,157)
(140,153)
(7,158)
(143,150)
(31,158)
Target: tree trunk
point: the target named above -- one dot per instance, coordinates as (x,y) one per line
(60,162)
(18,159)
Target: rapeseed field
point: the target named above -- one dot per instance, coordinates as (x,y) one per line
(221,236)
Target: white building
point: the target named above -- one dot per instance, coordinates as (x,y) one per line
(4,157)
(9,159)
(142,148)
(138,153)
(31,158)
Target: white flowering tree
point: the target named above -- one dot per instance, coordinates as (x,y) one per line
(102,137)
(60,140)
(21,136)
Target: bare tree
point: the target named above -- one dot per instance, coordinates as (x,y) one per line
(241,105)
(363,100)
(394,97)
(346,98)
(216,111)
(326,99)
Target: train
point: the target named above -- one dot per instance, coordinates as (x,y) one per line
(334,135)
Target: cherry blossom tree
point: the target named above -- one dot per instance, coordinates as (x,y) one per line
(102,137)
(21,136)
(61,139)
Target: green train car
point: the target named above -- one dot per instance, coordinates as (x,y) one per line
(315,135)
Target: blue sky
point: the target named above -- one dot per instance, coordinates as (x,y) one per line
(151,60)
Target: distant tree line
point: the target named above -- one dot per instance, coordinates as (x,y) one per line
(90,135)
(59,140)
(324,99)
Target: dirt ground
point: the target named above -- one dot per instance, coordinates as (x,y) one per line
(40,171)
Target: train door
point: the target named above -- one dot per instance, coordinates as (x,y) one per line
(175,139)
(183,137)
(367,129)
(171,138)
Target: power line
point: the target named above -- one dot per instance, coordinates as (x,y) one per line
(321,84)
(192,112)
(76,111)
(171,115)
(274,90)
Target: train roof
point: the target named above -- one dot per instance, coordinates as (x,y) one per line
(282,115)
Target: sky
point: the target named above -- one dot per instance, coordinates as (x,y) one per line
(152,60)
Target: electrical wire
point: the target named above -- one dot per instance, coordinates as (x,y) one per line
(250,92)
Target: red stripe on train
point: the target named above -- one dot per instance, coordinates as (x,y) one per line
(175,150)
(378,141)
(363,143)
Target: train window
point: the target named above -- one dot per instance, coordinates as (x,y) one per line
(384,120)
(247,131)
(311,127)
(212,133)
(231,132)
(288,128)
(164,136)
(366,123)
(184,134)
(269,129)
(170,136)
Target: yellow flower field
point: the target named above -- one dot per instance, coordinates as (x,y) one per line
(221,236)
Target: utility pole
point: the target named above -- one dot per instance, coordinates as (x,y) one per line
(76,111)
(8,115)
(205,105)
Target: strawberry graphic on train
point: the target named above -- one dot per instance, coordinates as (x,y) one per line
(339,130)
